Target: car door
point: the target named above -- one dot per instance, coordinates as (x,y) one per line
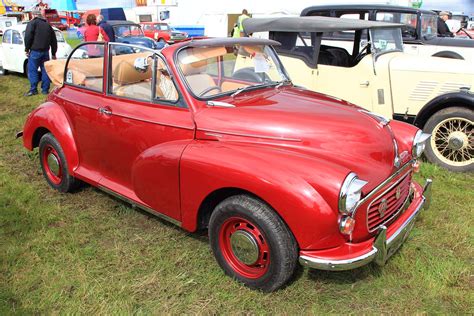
(8,54)
(146,128)
(17,51)
(83,98)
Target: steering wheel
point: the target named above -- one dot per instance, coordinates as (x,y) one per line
(362,53)
(247,74)
(209,89)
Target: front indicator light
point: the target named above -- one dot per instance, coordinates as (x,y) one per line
(346,225)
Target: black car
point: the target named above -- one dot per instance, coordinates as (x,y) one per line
(419,33)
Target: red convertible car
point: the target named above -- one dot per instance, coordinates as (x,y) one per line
(211,134)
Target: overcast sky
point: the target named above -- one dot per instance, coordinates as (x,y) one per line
(466,6)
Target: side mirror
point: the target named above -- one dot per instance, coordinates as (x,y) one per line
(141,64)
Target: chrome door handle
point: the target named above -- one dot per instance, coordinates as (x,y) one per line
(105,111)
(364,84)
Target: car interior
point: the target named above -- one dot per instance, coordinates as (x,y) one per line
(328,55)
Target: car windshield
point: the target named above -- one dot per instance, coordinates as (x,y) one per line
(128,30)
(386,40)
(213,71)
(429,26)
(408,19)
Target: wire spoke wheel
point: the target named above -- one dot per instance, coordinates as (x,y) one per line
(452,141)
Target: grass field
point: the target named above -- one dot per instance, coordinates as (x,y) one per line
(89,253)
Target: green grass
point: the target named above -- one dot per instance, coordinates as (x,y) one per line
(89,253)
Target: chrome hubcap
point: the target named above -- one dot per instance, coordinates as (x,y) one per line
(457,140)
(53,164)
(244,247)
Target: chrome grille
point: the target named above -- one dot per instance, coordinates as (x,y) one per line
(377,214)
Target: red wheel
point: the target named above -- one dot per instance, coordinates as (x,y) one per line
(51,163)
(251,243)
(54,164)
(244,247)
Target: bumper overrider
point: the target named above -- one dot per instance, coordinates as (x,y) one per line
(378,249)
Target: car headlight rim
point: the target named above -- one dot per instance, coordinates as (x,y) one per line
(350,193)
(419,143)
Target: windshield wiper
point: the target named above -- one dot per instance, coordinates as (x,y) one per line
(282,83)
(242,89)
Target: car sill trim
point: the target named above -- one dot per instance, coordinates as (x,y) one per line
(141,206)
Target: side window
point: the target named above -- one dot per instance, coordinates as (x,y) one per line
(132,75)
(85,68)
(353,16)
(16,38)
(131,72)
(7,37)
(165,88)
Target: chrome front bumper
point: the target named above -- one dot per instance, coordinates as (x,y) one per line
(382,248)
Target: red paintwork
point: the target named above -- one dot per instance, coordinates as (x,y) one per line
(290,147)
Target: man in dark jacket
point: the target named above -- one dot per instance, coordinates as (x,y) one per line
(108,29)
(39,37)
(443,29)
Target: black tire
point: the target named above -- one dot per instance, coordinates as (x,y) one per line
(279,260)
(60,180)
(3,71)
(461,160)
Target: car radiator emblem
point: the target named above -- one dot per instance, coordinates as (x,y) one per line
(383,207)
(398,193)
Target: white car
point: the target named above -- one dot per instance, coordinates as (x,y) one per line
(12,51)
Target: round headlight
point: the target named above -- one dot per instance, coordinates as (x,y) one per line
(350,193)
(419,143)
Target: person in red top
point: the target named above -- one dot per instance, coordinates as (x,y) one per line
(93,33)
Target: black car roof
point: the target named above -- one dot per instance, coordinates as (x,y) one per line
(311,24)
(363,7)
(121,22)
(230,41)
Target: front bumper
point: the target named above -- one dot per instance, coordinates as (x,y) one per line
(379,250)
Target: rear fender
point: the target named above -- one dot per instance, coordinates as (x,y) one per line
(51,117)
(302,189)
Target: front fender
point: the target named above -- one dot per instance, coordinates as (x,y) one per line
(51,117)
(302,189)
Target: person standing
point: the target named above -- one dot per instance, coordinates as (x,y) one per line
(443,29)
(39,38)
(92,32)
(108,29)
(240,20)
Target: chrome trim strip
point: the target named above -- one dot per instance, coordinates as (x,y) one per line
(250,135)
(382,248)
(139,205)
(381,185)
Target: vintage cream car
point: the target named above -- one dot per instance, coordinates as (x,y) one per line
(433,93)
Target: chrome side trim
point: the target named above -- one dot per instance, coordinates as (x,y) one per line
(382,248)
(250,135)
(141,206)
